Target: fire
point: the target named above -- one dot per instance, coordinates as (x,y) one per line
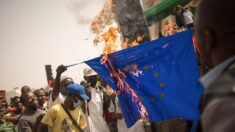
(109,4)
(139,39)
(104,19)
(123,86)
(136,42)
(110,38)
(125,43)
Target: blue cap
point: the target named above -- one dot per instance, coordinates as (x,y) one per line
(77,89)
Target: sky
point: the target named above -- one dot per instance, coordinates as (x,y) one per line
(34,33)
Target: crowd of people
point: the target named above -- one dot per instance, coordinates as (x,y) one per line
(92,106)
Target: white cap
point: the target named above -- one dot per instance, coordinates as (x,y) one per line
(62,78)
(89,72)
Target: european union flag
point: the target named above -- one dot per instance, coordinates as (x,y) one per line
(164,75)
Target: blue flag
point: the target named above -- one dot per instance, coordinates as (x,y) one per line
(164,75)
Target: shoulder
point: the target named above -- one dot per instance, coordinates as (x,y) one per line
(40,111)
(224,84)
(219,114)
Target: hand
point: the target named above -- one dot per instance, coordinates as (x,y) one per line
(60,69)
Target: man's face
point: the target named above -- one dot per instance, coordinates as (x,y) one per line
(88,92)
(92,80)
(41,95)
(87,88)
(31,101)
(63,85)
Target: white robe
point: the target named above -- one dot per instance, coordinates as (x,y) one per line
(95,118)
(121,124)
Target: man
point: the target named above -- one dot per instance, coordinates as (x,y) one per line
(179,17)
(17,104)
(188,18)
(59,91)
(215,32)
(28,117)
(41,95)
(95,104)
(17,108)
(25,89)
(58,120)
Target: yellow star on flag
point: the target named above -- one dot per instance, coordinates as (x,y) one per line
(155,74)
(161,85)
(126,69)
(162,95)
(152,99)
(135,66)
(145,67)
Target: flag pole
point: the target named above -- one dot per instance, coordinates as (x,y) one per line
(71,65)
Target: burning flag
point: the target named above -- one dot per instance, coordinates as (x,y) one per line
(157,80)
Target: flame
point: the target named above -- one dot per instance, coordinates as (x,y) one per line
(139,38)
(110,40)
(109,4)
(104,18)
(123,86)
(110,89)
(125,44)
(97,26)
(136,42)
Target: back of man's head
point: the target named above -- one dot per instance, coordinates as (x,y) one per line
(218,16)
(215,29)
(25,89)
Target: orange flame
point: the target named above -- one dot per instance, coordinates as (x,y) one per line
(102,20)
(124,86)
(110,40)
(125,43)
(109,4)
(136,42)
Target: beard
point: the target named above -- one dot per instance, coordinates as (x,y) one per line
(33,107)
(41,102)
(18,111)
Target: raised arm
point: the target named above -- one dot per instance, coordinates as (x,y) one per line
(56,87)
